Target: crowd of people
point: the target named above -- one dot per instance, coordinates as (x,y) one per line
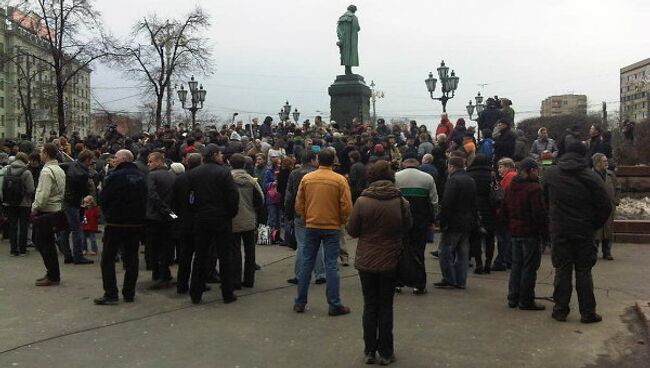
(199,196)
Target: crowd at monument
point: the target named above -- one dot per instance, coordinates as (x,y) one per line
(199,196)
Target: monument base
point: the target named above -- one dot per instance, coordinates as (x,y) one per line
(350,98)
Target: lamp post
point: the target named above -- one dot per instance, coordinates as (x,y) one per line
(479,107)
(449,84)
(285,112)
(197,98)
(374,96)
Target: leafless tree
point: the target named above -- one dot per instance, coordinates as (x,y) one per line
(161,50)
(74,36)
(31,84)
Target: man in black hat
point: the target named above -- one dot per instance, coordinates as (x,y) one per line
(214,202)
(523,208)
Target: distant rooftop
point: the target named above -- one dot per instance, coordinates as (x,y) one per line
(636,65)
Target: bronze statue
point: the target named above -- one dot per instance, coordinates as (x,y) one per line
(347,31)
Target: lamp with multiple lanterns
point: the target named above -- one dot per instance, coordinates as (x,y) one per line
(197,97)
(449,83)
(285,112)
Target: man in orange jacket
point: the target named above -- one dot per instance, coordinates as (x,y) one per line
(324,202)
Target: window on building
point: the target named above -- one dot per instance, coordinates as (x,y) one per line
(2,102)
(2,120)
(2,85)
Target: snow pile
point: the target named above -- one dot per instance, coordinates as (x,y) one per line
(633,209)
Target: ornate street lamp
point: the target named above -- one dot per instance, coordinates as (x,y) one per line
(296,115)
(479,106)
(374,96)
(448,82)
(197,97)
(285,111)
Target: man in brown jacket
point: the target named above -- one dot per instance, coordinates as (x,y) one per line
(324,202)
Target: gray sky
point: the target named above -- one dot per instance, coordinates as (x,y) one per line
(270,51)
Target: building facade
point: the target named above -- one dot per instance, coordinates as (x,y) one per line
(635,90)
(27,84)
(564,105)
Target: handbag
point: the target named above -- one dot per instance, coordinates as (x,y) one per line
(409,266)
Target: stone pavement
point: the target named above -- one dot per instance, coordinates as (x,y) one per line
(60,326)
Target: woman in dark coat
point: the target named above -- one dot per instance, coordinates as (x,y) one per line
(378,219)
(482,174)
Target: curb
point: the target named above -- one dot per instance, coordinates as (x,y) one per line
(643,308)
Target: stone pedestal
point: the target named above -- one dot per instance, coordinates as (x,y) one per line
(350,98)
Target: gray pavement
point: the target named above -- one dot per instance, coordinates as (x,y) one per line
(60,326)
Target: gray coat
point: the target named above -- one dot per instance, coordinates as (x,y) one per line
(250,197)
(160,183)
(19,168)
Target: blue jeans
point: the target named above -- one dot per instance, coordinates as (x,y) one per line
(454,258)
(504,246)
(73,216)
(90,236)
(526,259)
(319,267)
(330,240)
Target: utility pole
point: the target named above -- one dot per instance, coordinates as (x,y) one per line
(604,114)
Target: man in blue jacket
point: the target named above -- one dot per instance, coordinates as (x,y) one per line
(123,201)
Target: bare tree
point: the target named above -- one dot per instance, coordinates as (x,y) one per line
(30,85)
(74,37)
(163,49)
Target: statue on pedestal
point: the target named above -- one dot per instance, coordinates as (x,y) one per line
(347,31)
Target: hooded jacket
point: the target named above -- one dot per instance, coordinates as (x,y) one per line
(250,198)
(379,218)
(523,208)
(18,168)
(576,197)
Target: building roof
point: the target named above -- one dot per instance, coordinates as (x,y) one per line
(636,65)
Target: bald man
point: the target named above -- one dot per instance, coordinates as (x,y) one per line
(123,200)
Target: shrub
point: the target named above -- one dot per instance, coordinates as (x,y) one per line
(557,125)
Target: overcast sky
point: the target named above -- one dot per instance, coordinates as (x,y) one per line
(270,51)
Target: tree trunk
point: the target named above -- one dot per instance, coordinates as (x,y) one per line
(159,104)
(60,105)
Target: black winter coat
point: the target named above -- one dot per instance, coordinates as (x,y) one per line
(458,207)
(76,183)
(160,183)
(216,197)
(482,176)
(504,145)
(576,197)
(181,204)
(123,198)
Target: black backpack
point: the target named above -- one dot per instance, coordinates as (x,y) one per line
(13,188)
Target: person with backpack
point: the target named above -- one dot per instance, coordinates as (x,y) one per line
(17,193)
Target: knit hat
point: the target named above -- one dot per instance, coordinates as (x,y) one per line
(177,168)
(235,136)
(528,164)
